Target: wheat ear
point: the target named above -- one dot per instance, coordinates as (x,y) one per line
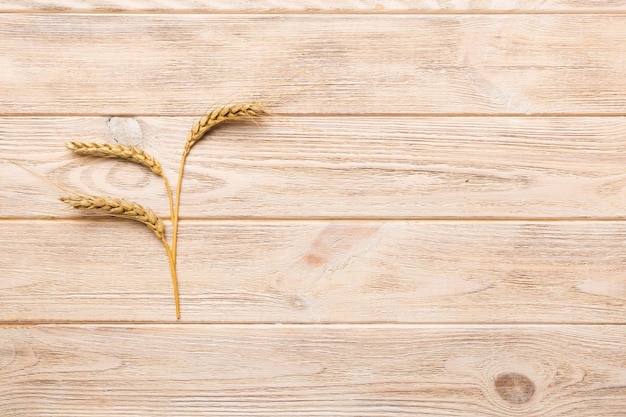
(128,153)
(220,115)
(201,128)
(118,207)
(106,150)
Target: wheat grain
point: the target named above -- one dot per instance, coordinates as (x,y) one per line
(106,150)
(220,115)
(118,207)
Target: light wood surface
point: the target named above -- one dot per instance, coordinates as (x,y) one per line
(329,167)
(311,272)
(332,64)
(430,223)
(314,371)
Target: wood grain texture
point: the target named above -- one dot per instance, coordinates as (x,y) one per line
(317,272)
(317,6)
(106,64)
(376,167)
(272,371)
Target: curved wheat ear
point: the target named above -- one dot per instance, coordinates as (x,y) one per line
(220,115)
(118,207)
(129,153)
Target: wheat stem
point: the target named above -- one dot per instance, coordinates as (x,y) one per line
(175,212)
(170,256)
(174,277)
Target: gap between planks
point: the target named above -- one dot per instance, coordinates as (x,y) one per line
(313,219)
(313,13)
(329,115)
(299,325)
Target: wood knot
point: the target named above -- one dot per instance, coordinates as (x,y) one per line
(515,388)
(125,130)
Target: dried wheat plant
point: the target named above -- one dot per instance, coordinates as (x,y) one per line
(117,207)
(201,128)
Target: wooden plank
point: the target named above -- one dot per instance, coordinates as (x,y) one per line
(317,6)
(317,272)
(104,64)
(313,371)
(364,167)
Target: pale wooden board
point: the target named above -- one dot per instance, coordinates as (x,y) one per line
(272,371)
(347,64)
(324,167)
(313,6)
(359,272)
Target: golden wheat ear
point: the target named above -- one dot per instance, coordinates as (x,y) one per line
(118,207)
(220,115)
(129,153)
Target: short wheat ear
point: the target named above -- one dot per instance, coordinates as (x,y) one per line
(105,150)
(118,207)
(220,115)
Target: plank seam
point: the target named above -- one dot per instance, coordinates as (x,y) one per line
(333,115)
(296,325)
(310,219)
(315,13)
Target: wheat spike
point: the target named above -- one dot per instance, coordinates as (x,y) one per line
(118,207)
(129,153)
(220,115)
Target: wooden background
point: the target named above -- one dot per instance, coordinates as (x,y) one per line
(431,223)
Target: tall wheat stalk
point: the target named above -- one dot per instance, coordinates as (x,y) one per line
(197,132)
(117,207)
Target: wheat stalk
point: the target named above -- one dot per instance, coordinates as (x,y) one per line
(118,207)
(201,128)
(106,150)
